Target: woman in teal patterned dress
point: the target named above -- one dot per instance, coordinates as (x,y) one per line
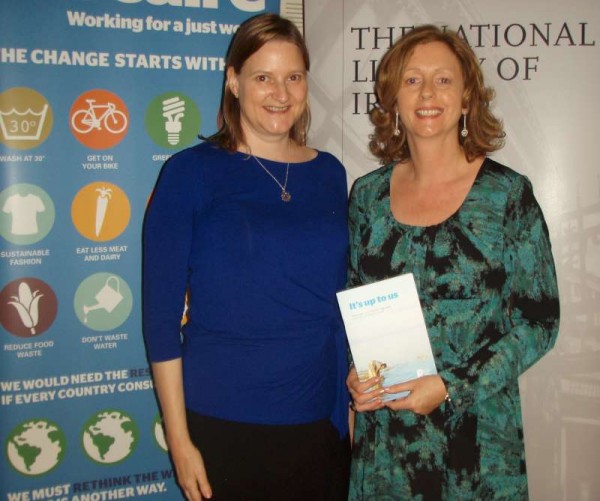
(473,235)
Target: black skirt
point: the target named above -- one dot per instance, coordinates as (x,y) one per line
(247,461)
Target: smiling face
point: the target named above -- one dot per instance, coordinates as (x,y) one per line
(430,98)
(272,91)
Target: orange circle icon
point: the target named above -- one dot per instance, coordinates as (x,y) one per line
(100,211)
(99,119)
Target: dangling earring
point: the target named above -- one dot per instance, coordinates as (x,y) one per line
(464,132)
(396,128)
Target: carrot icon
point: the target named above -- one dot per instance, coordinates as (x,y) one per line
(101,207)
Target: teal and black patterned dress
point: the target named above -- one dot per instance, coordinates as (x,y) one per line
(487,286)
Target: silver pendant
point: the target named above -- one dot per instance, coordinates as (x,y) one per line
(285,196)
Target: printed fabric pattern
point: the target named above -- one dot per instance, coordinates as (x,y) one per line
(487,285)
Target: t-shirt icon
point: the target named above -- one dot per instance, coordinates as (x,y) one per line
(26,214)
(24,210)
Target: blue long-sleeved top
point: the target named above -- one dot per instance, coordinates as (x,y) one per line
(264,341)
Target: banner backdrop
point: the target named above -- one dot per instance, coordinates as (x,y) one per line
(543,59)
(94,96)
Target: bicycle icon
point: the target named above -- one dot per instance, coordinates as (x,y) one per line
(111,119)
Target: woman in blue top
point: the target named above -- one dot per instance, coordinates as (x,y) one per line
(252,226)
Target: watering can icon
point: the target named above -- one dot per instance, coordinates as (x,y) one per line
(107,298)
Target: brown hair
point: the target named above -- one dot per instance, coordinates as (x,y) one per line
(485,130)
(250,37)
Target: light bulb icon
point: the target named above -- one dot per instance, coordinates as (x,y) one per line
(173,111)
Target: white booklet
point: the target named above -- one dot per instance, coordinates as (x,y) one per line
(386,331)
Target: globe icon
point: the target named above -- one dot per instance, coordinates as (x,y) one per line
(159,433)
(109,436)
(35,447)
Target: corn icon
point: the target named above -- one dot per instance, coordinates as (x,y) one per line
(27,305)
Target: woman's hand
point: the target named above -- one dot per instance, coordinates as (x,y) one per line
(189,465)
(426,394)
(366,395)
(190,471)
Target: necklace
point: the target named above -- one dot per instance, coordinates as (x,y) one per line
(285,195)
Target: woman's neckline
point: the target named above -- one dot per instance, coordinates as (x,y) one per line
(390,169)
(244,156)
(313,154)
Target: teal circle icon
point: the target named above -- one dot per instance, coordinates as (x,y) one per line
(173,120)
(103,301)
(26,214)
(35,447)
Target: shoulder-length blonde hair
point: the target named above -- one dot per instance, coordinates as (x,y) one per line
(485,130)
(251,35)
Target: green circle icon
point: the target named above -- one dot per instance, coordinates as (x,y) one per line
(109,436)
(158,432)
(173,120)
(35,447)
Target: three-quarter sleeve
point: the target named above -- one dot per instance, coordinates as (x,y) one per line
(530,307)
(355,223)
(167,240)
(354,226)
